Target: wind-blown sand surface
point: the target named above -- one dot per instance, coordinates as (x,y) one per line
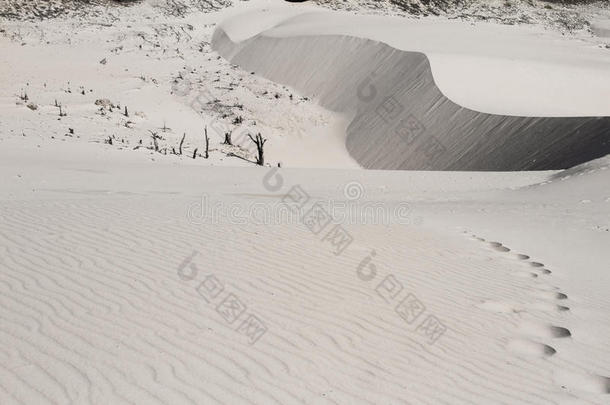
(117,265)
(94,309)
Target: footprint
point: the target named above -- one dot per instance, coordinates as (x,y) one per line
(547,306)
(582,382)
(500,307)
(501,248)
(551,295)
(536,264)
(522,256)
(525,274)
(545,271)
(546,287)
(529,348)
(543,330)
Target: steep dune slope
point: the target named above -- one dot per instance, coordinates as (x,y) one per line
(401,118)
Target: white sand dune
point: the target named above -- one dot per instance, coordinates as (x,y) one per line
(134,277)
(534,71)
(400,118)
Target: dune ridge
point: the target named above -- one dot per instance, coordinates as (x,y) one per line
(401,119)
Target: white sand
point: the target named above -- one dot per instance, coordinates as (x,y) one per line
(95,312)
(92,236)
(486,67)
(398,117)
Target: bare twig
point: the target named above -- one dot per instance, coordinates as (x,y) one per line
(228,139)
(155,137)
(207,143)
(259,141)
(181,142)
(231,154)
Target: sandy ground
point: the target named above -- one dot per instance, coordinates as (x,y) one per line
(473,287)
(129,275)
(164,72)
